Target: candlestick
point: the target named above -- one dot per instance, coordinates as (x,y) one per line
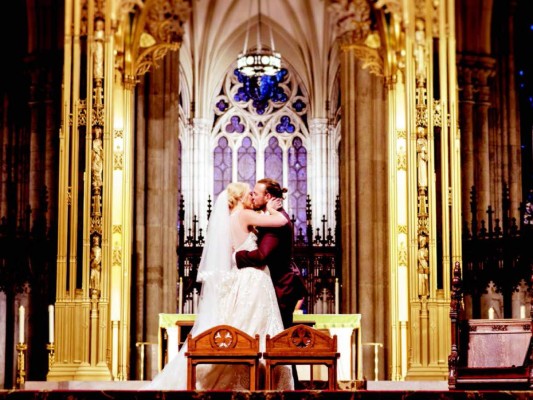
(50,323)
(491,313)
(21,363)
(51,355)
(337,296)
(21,324)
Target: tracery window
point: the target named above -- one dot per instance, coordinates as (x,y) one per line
(266,137)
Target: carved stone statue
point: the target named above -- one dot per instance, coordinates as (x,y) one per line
(98,65)
(95,263)
(422,157)
(423,265)
(97,160)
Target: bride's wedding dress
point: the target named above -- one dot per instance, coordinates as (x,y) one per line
(245,299)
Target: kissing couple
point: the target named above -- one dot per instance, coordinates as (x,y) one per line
(248,281)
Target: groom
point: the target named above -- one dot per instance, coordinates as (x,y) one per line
(275,250)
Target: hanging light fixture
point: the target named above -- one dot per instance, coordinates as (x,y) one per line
(259,61)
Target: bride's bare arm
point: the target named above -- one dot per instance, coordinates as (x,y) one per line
(275,219)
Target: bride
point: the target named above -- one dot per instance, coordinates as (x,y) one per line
(242,298)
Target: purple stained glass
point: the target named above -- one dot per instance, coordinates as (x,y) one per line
(285,125)
(235,125)
(246,162)
(298,105)
(222,105)
(298,182)
(221,166)
(274,160)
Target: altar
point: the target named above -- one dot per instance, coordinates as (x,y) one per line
(173,330)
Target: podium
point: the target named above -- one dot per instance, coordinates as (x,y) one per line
(173,330)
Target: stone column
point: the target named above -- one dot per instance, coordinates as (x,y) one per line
(482,158)
(363,172)
(158,210)
(321,173)
(202,170)
(467,138)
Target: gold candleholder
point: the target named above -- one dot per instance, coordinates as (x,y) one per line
(21,367)
(51,354)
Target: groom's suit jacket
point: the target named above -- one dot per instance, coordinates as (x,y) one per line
(275,250)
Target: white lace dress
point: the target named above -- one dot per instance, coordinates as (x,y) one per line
(248,303)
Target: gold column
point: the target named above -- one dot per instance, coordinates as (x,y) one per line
(434,189)
(108,43)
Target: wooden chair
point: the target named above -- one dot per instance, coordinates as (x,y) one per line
(301,345)
(488,354)
(222,344)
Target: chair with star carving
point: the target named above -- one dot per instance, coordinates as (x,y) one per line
(301,345)
(222,344)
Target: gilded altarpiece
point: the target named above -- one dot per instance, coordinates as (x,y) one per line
(113,42)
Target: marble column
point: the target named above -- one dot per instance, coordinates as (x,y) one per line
(157,209)
(321,173)
(467,138)
(482,159)
(363,194)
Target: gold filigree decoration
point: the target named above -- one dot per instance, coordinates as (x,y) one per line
(421,118)
(118,134)
(118,160)
(355,30)
(164,28)
(402,162)
(117,256)
(402,254)
(149,57)
(116,229)
(437,113)
(82,113)
(351,16)
(390,6)
(401,133)
(402,229)
(370,58)
(96,224)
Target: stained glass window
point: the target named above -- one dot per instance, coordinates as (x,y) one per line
(265,126)
(222,166)
(274,160)
(298,182)
(246,162)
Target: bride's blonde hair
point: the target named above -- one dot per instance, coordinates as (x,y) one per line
(236,191)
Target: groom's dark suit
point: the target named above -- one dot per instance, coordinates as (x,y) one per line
(275,250)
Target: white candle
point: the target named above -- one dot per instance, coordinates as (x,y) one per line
(194,301)
(491,313)
(21,324)
(180,296)
(337,296)
(522,311)
(50,323)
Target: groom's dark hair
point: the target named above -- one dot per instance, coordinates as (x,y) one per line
(273,187)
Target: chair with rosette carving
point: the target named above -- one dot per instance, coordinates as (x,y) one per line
(222,344)
(301,345)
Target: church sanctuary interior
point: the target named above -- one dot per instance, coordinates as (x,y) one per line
(402,129)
